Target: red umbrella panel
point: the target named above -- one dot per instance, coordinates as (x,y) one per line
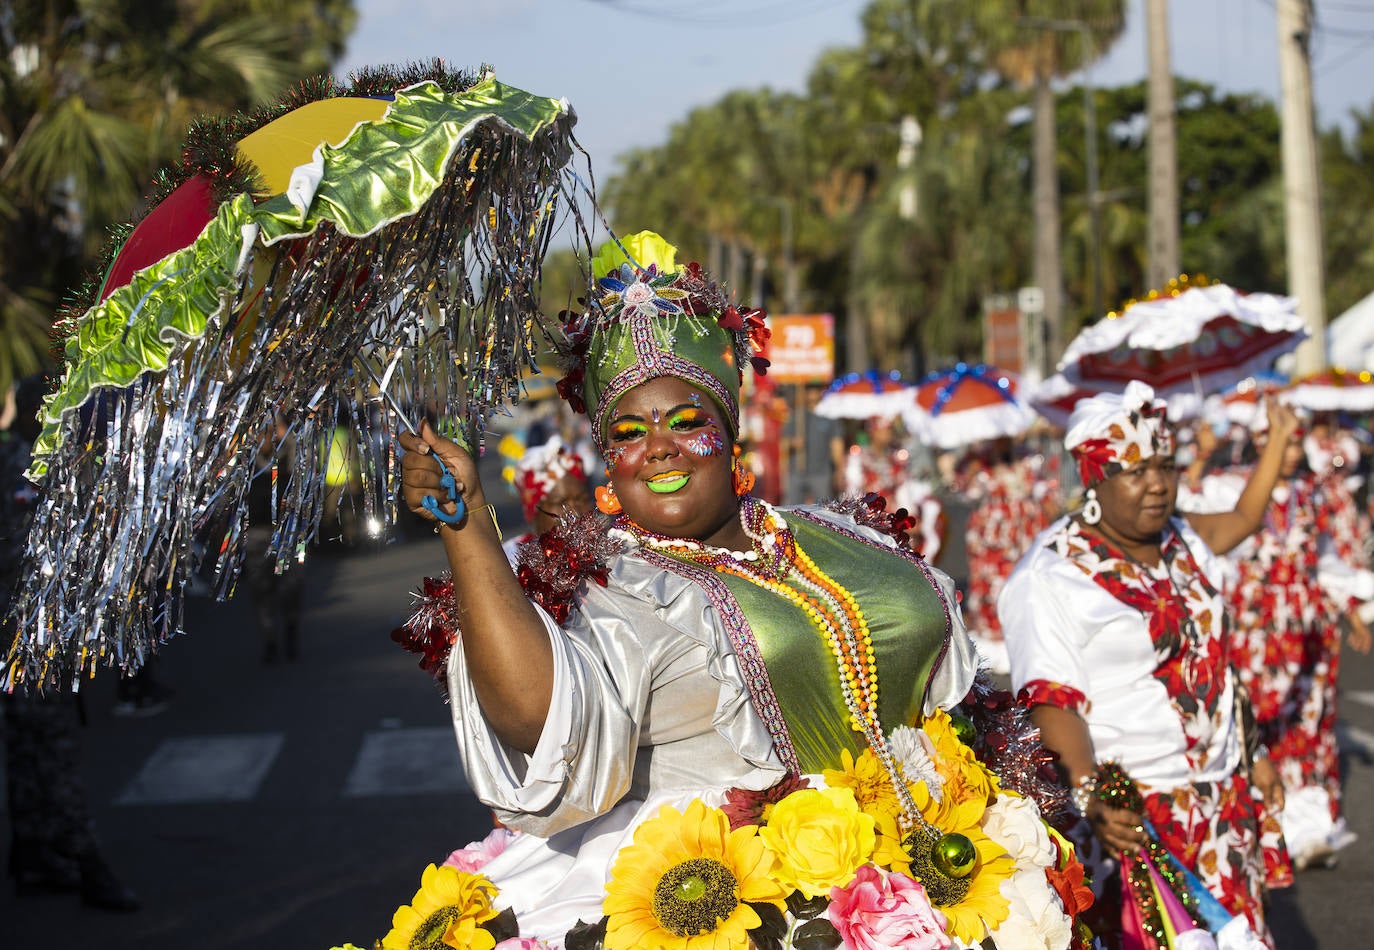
(1334,390)
(868,395)
(968,403)
(1201,339)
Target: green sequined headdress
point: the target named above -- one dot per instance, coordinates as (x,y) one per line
(649,319)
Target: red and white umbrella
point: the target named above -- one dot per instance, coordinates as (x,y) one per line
(865,395)
(968,403)
(1334,390)
(1200,340)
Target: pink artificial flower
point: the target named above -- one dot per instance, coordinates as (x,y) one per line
(476,855)
(885,911)
(521,943)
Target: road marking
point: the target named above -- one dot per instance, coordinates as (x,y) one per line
(203,769)
(1352,739)
(406,762)
(1363,696)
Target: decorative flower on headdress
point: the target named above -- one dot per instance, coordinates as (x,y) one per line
(647,293)
(1111,432)
(650,319)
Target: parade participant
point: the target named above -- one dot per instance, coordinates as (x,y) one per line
(1118,634)
(551,483)
(1011,501)
(53,847)
(1293,590)
(278,591)
(682,654)
(877,462)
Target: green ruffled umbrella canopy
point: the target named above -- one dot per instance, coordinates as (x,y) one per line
(399,264)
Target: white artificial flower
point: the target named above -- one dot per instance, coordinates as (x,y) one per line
(1036,920)
(1015,824)
(916,755)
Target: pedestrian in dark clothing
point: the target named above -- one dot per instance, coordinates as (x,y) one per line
(52,837)
(277,588)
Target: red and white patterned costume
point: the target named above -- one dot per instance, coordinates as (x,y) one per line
(1013,502)
(1293,581)
(1141,654)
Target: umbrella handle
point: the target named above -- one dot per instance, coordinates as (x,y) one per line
(431,504)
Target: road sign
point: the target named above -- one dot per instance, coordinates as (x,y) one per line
(802,348)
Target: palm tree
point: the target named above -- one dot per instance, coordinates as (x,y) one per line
(94,95)
(1033,43)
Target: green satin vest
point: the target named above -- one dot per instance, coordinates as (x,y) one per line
(906,618)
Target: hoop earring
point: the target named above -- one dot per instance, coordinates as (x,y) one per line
(1092,508)
(742,479)
(606,501)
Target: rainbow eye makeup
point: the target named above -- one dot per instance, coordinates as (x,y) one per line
(689,419)
(623,431)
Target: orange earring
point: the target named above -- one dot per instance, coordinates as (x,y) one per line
(742,479)
(606,502)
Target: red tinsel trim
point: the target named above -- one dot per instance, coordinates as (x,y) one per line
(553,567)
(871,512)
(1009,744)
(432,629)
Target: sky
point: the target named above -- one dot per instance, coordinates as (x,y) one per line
(631,68)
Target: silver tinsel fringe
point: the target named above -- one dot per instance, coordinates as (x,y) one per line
(441,306)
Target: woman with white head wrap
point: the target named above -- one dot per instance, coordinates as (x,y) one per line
(1118,639)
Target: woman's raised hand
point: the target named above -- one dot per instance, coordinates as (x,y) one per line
(421,475)
(1283,421)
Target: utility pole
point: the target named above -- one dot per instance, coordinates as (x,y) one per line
(1163,261)
(1301,190)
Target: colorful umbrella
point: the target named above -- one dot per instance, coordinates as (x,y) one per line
(376,242)
(1198,339)
(969,403)
(1333,390)
(865,395)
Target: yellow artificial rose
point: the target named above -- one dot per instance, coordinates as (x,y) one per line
(820,837)
(645,248)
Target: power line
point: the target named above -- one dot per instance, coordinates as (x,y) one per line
(723,13)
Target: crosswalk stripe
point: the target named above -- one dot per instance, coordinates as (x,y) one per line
(1353,739)
(1363,696)
(203,769)
(404,762)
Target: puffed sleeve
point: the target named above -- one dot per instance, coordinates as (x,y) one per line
(1044,638)
(584,760)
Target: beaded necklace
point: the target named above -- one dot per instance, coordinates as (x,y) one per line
(777,563)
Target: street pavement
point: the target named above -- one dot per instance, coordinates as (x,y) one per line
(293,807)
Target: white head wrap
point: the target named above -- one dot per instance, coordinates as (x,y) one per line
(1111,431)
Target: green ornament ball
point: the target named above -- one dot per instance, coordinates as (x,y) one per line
(954,855)
(963,728)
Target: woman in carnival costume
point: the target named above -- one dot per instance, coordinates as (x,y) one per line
(551,482)
(1294,585)
(710,722)
(1119,640)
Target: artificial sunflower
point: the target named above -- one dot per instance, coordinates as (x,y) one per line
(446,912)
(868,780)
(973,904)
(965,777)
(686,881)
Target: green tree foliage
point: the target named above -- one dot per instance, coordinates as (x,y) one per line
(95,96)
(917,285)
(1348,207)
